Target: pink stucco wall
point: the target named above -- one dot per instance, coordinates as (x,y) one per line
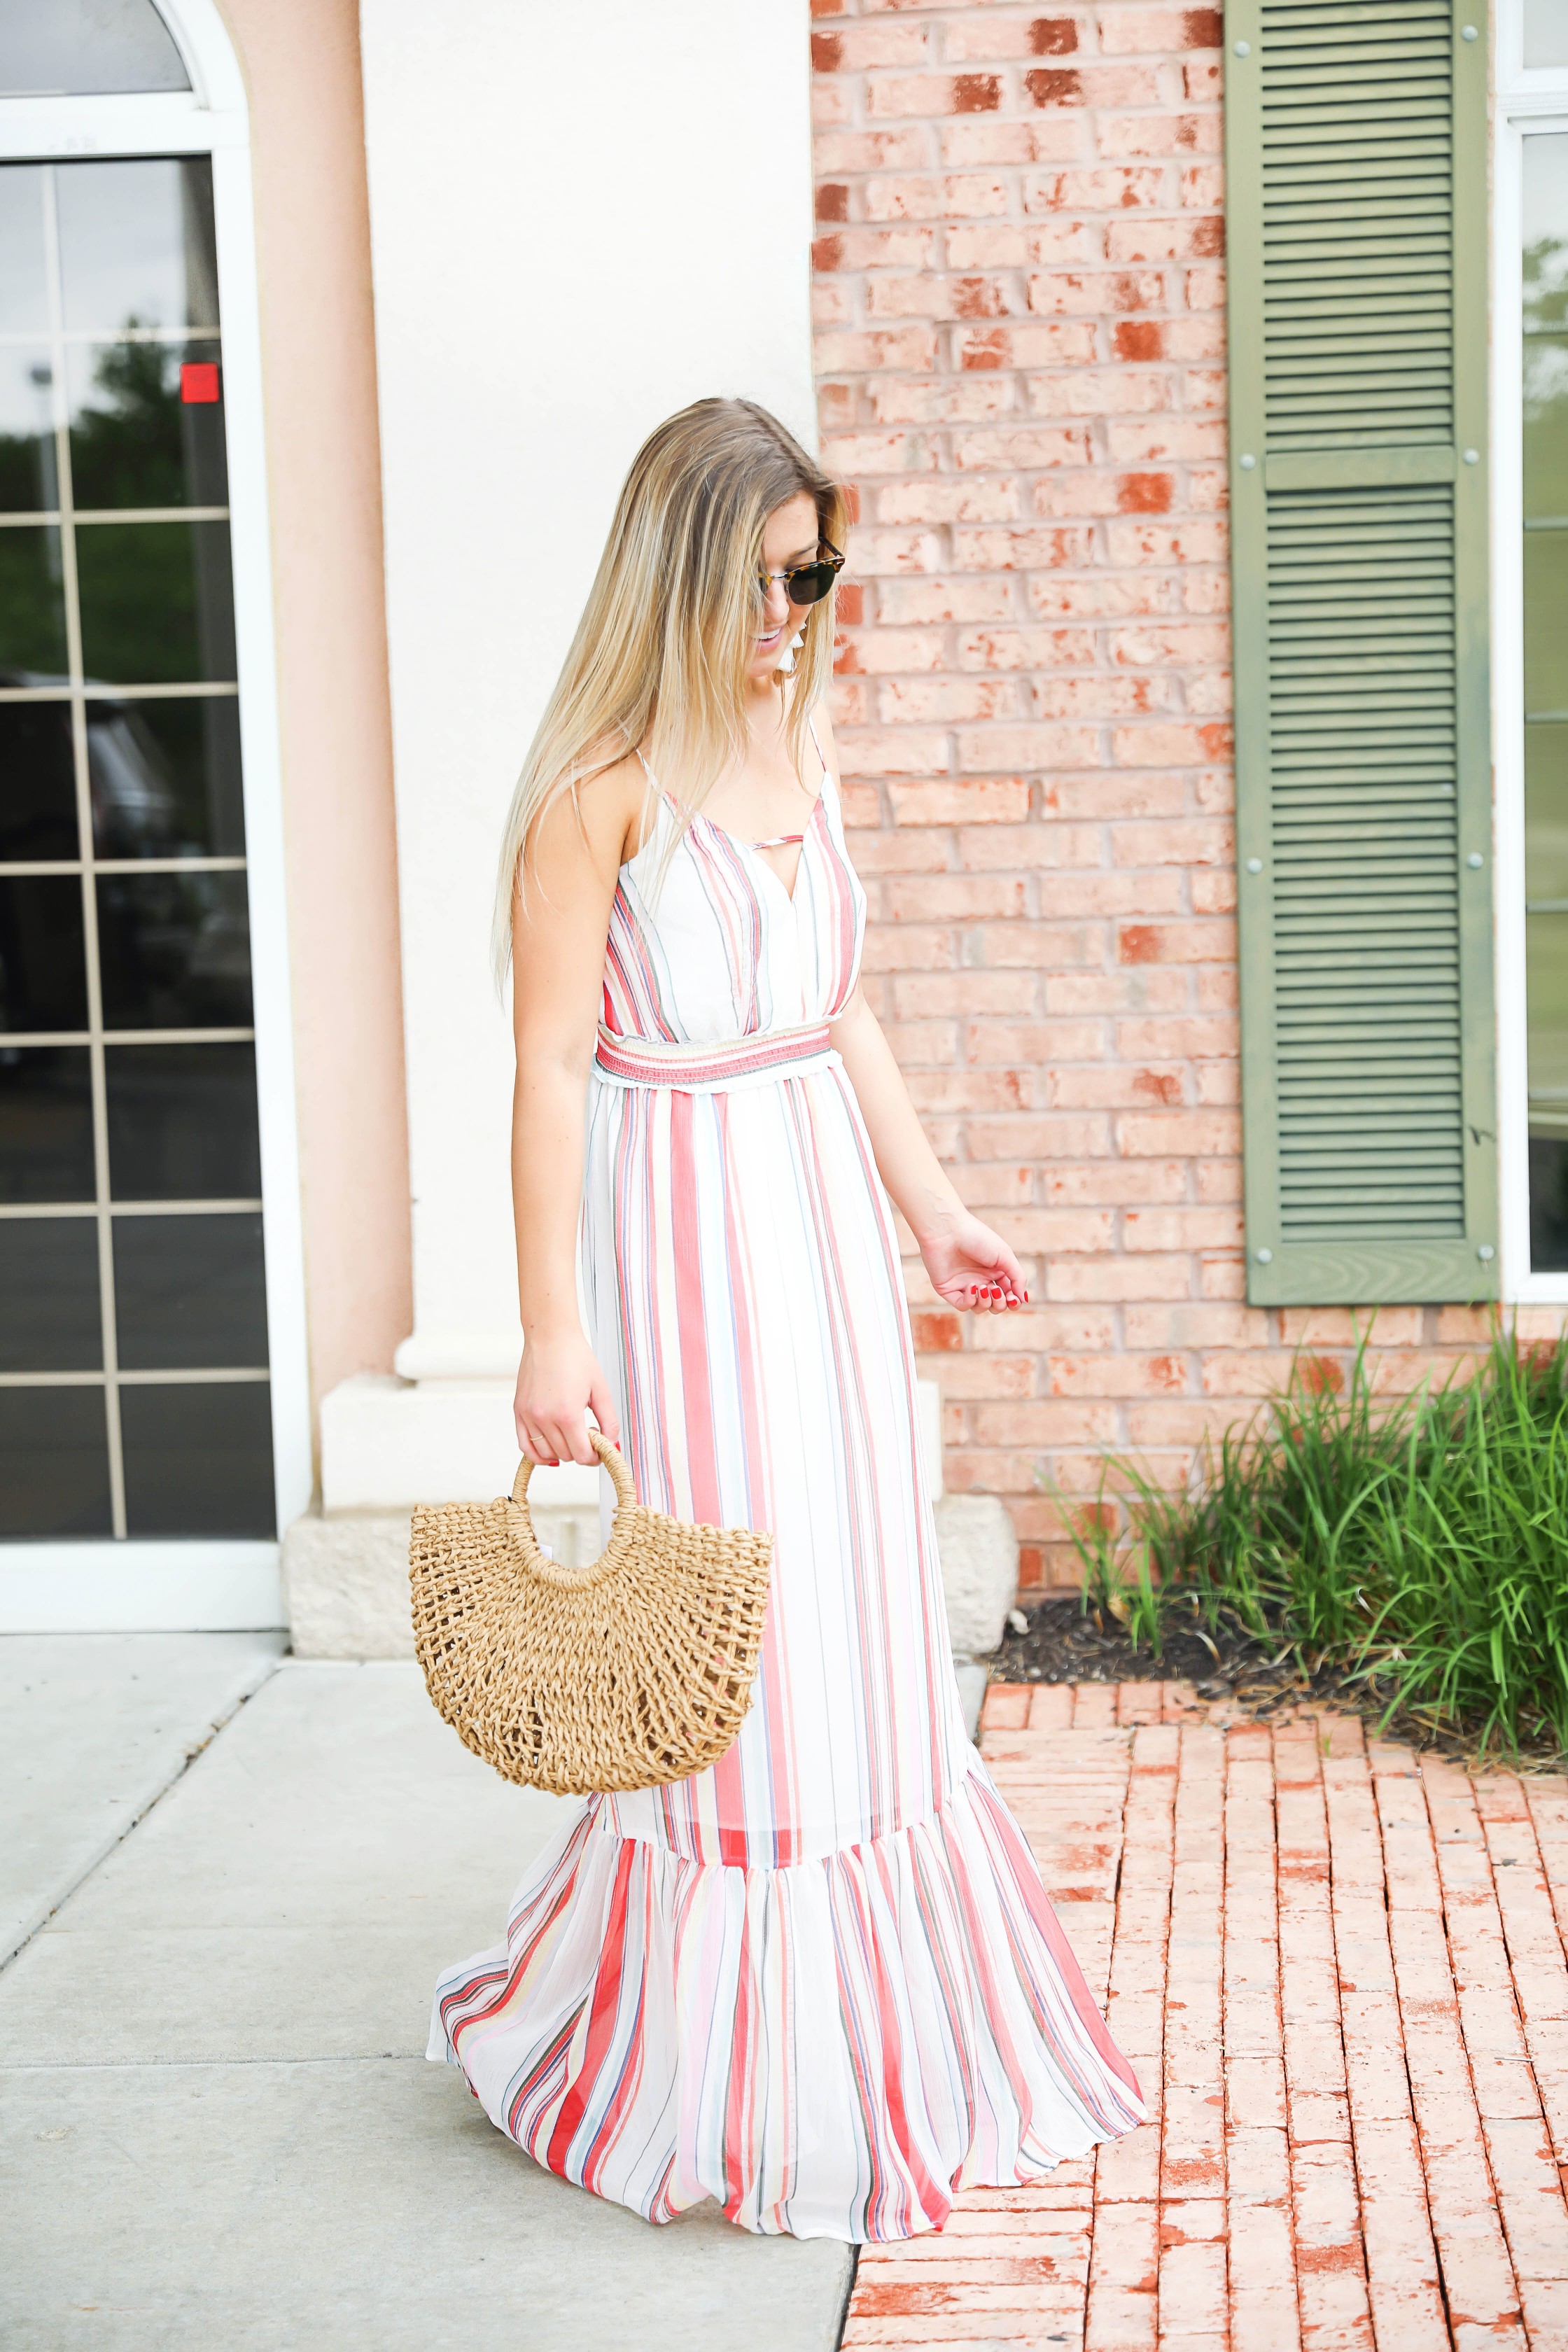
(300,62)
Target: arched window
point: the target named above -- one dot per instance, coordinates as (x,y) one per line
(74,49)
(152,1399)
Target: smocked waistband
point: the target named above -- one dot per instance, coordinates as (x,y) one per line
(714,1069)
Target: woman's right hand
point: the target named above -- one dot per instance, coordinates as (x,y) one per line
(559,1384)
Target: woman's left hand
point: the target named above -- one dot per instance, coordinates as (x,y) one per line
(971,1267)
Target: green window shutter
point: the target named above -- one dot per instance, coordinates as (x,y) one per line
(1356,164)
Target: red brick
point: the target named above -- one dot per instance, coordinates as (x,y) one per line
(840,354)
(886,751)
(930,94)
(927,701)
(1115,1182)
(878,453)
(1002,993)
(923,601)
(970,138)
(1027,446)
(1116,1376)
(1176,942)
(1119,1278)
(854,249)
(1023,346)
(1141,31)
(953,196)
(994,800)
(871,151)
(852,48)
(931,296)
(1039,746)
(1159,134)
(1148,237)
(878,651)
(1026,649)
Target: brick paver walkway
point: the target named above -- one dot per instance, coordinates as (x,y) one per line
(1338,1969)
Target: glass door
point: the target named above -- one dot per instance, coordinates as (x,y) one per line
(134,1395)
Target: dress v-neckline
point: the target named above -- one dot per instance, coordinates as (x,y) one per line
(738,841)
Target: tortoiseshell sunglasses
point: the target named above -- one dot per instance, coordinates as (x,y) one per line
(807,584)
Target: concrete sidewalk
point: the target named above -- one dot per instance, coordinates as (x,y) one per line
(219,2129)
(93,1729)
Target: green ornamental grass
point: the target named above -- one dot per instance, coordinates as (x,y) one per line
(1420,1546)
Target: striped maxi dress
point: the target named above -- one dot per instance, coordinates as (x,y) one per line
(820,1982)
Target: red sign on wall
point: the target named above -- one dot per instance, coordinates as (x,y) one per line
(199,380)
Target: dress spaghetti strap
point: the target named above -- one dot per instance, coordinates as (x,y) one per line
(816,747)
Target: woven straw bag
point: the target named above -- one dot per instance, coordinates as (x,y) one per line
(628,1672)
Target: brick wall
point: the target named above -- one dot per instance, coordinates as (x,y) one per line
(1020,293)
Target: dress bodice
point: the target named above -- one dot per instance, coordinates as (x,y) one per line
(706,943)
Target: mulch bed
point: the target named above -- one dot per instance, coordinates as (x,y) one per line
(1229,1667)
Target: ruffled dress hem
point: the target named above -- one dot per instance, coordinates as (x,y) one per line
(835,2049)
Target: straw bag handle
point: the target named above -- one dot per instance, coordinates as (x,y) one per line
(550,1572)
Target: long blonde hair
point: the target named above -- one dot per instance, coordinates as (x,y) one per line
(661,651)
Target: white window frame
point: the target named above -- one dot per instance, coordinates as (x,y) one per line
(1527,101)
(148,1584)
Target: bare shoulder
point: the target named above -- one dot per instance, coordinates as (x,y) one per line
(601,817)
(613,800)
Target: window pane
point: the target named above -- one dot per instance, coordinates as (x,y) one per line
(45,1123)
(173,950)
(1544,228)
(189,1293)
(1546,969)
(50,1319)
(69,48)
(1546,621)
(157,601)
(24,281)
(136,244)
(31,605)
(54,1463)
(144,430)
(198,1460)
(182,1123)
(29,477)
(165,777)
(37,781)
(1545,421)
(1545,266)
(1546,965)
(1546,812)
(1545,427)
(1545,33)
(42,965)
(1549,1202)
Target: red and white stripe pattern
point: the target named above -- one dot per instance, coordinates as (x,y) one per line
(820,1982)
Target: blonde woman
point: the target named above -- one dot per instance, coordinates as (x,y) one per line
(820,1982)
